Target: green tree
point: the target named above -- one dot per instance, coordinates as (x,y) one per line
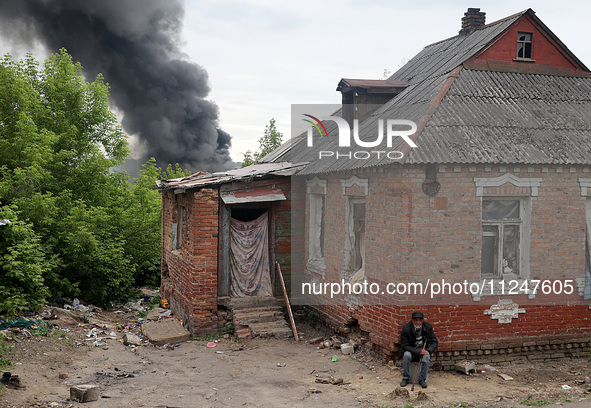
(58,143)
(271,140)
(78,227)
(142,222)
(22,266)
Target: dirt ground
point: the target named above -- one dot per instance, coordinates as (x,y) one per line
(258,373)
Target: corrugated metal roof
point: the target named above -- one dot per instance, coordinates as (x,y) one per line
(208,179)
(500,117)
(484,117)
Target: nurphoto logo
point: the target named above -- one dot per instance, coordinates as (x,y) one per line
(390,129)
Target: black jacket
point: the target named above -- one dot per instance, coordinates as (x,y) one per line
(408,339)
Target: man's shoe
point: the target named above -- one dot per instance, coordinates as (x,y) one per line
(423,383)
(403,382)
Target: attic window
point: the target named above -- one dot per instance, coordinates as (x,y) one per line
(524,45)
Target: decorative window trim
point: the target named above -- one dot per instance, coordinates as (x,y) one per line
(483,182)
(585,184)
(315,187)
(355,181)
(316,182)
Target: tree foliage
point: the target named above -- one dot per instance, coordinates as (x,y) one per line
(77,227)
(271,140)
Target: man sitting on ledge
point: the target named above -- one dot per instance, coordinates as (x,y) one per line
(417,342)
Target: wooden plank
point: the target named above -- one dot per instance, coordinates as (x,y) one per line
(293,326)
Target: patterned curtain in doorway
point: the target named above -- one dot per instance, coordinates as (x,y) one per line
(249,257)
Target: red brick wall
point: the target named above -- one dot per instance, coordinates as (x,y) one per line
(408,240)
(189,279)
(544,51)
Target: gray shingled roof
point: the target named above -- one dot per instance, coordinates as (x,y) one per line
(485,117)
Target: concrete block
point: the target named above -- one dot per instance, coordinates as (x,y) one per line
(84,393)
(165,331)
(466,367)
(131,339)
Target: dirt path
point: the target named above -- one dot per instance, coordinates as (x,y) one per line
(261,373)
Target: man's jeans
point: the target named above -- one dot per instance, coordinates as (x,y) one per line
(423,369)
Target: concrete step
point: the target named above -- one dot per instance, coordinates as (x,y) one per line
(253,301)
(278,329)
(266,309)
(246,317)
(259,316)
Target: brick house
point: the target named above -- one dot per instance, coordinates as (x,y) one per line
(496,192)
(198,234)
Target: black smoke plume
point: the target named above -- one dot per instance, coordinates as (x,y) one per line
(135,45)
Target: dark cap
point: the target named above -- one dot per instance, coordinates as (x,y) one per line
(417,315)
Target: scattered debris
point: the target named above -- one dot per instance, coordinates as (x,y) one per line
(505,377)
(566,387)
(156,313)
(280,364)
(12,381)
(422,396)
(329,380)
(399,392)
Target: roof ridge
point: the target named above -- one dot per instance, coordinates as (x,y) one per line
(489,25)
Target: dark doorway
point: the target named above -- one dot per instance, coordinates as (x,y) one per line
(247,213)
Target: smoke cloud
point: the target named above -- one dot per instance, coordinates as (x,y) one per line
(135,45)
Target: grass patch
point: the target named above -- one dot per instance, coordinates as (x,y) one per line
(538,403)
(3,350)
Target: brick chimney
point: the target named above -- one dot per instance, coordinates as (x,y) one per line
(473,20)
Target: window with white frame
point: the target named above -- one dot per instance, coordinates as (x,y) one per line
(355,190)
(503,235)
(357,233)
(316,190)
(316,235)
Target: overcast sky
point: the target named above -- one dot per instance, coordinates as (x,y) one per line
(263,56)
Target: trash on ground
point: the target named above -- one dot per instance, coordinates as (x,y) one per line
(505,377)
(11,381)
(347,348)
